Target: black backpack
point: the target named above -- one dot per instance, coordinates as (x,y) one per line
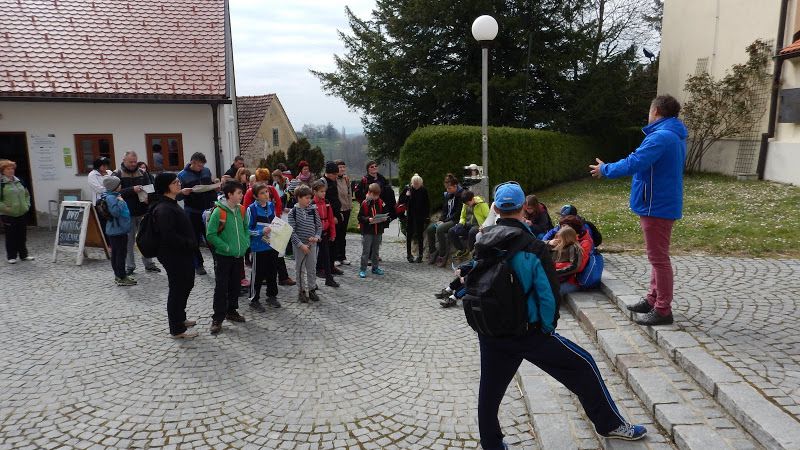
(596,236)
(102,208)
(495,304)
(147,238)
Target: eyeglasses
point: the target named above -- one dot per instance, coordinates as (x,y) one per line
(373,167)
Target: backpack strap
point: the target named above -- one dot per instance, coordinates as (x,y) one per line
(223,217)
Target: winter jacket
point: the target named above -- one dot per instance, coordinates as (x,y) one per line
(534,269)
(657,169)
(197,201)
(259,217)
(569,261)
(418,204)
(129,179)
(176,234)
(235,237)
(326,217)
(345,191)
(305,224)
(120,221)
(15,200)
(451,208)
(370,208)
(387,193)
(479,212)
(274,197)
(332,196)
(95,180)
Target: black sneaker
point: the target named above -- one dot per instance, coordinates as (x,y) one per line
(329,281)
(654,318)
(410,259)
(418,260)
(255,304)
(312,295)
(643,306)
(444,294)
(216,327)
(273,302)
(153,269)
(448,302)
(302,297)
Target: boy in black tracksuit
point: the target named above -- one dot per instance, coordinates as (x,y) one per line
(176,251)
(559,357)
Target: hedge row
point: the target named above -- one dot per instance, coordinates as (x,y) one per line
(534,158)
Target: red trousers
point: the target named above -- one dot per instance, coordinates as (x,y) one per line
(657,235)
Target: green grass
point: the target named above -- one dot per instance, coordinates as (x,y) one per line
(721,216)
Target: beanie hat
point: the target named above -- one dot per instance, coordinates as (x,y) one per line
(163,180)
(331,167)
(568,210)
(111,183)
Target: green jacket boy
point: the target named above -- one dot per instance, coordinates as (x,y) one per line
(234,239)
(474,212)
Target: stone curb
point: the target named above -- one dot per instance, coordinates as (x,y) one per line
(667,396)
(766,422)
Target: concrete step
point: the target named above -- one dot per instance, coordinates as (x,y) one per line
(689,416)
(770,425)
(556,415)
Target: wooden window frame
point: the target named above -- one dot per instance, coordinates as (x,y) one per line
(276,133)
(164,137)
(95,150)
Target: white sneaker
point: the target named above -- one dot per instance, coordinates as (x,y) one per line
(345,262)
(29,258)
(337,263)
(12,261)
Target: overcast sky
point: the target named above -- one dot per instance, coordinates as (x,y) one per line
(276,42)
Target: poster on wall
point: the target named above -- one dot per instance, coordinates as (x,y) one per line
(44,153)
(67,157)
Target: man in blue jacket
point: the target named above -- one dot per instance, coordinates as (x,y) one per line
(657,198)
(559,357)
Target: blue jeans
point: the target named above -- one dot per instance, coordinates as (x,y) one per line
(567,287)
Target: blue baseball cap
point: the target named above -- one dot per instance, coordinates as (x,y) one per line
(509,196)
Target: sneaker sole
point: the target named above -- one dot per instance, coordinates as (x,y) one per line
(625,438)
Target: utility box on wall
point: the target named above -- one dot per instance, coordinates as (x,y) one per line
(789,111)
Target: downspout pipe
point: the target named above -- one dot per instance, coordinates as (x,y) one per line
(776,84)
(217,145)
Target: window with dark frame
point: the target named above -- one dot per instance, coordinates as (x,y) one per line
(89,147)
(275,141)
(164,152)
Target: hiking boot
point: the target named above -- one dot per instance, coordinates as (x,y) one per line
(654,318)
(441,261)
(643,306)
(130,279)
(186,335)
(153,269)
(287,282)
(302,297)
(216,327)
(337,271)
(126,281)
(329,281)
(410,259)
(189,323)
(234,317)
(418,260)
(273,302)
(200,270)
(255,304)
(448,302)
(444,294)
(628,432)
(312,295)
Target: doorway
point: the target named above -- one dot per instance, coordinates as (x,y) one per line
(14,146)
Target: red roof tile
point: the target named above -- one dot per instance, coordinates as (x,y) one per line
(250,112)
(157,49)
(791,49)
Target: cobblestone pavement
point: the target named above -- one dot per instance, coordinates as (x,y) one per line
(376,364)
(744,311)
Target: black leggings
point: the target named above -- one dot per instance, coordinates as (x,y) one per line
(415,229)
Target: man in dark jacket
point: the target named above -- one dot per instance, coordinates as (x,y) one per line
(331,178)
(238,163)
(176,252)
(436,233)
(194,203)
(657,198)
(137,198)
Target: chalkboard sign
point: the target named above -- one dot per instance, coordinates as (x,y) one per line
(78,228)
(70,224)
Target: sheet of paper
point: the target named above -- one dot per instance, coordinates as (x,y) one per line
(280,235)
(149,188)
(379,218)
(205,187)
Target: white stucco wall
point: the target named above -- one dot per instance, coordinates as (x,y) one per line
(128,123)
(783,162)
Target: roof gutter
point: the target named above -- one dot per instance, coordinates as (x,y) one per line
(180,101)
(776,84)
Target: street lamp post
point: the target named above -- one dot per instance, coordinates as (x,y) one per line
(484,30)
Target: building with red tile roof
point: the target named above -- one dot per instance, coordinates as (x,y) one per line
(264,127)
(85,79)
